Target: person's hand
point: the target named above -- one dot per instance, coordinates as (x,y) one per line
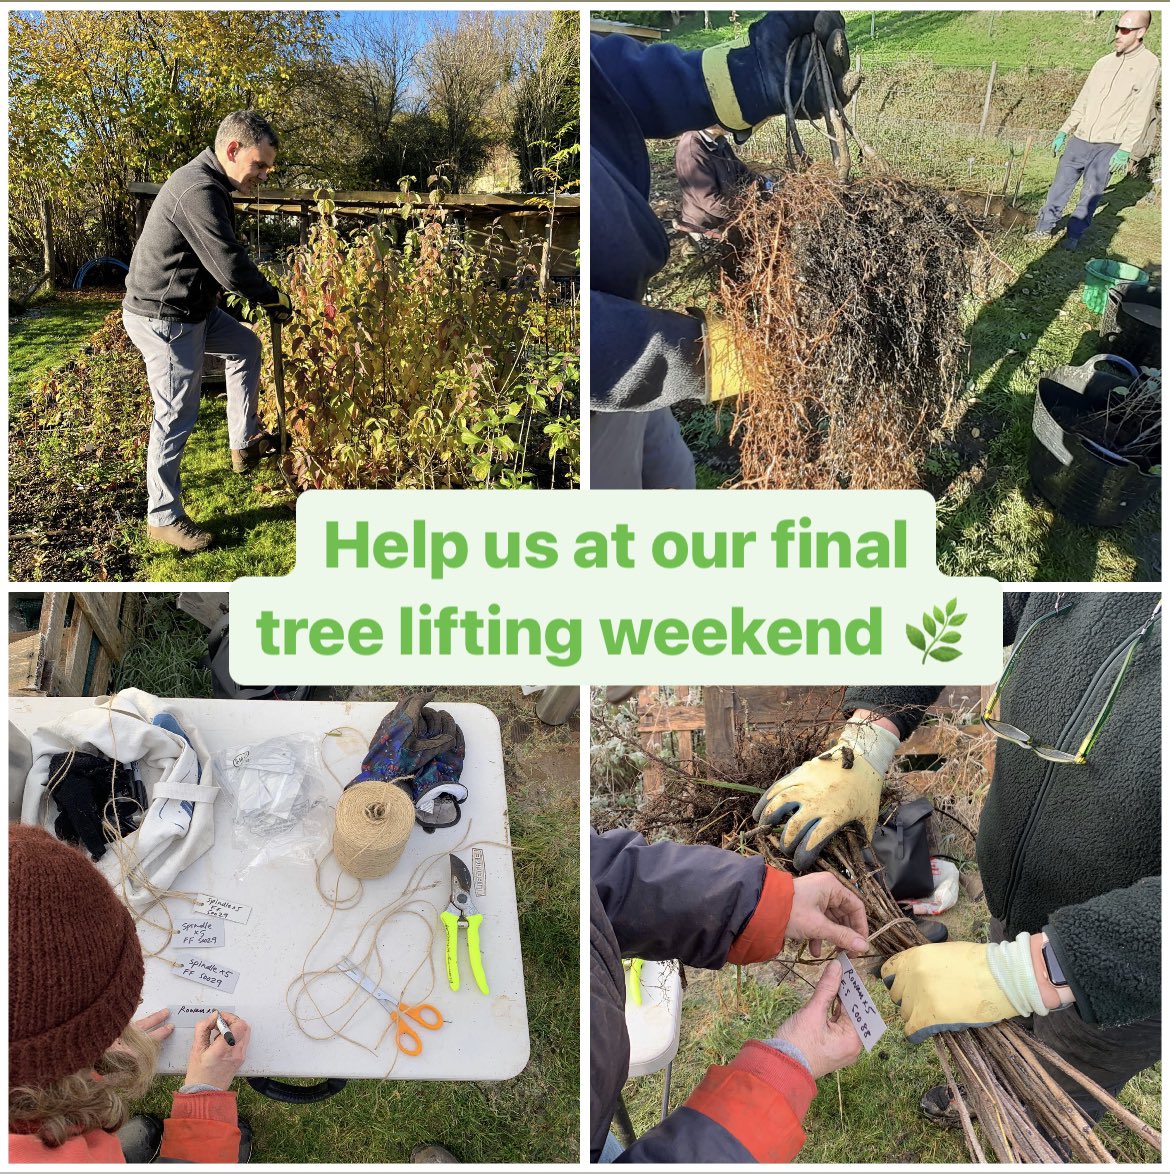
(746,84)
(947,986)
(212,1061)
(824,909)
(154,1025)
(280,310)
(821,796)
(827,1041)
(1119,161)
(1058,142)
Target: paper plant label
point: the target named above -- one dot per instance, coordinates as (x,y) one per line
(217,907)
(199,933)
(187,1016)
(209,974)
(865,1017)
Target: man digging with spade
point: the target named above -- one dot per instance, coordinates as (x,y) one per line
(187,254)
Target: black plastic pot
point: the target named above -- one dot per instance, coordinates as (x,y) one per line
(1131,324)
(1083,481)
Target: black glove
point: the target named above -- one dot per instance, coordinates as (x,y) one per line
(746,84)
(83,786)
(280,310)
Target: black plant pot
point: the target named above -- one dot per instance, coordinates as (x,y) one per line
(1083,481)
(1131,324)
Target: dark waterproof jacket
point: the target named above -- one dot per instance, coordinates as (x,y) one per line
(709,174)
(705,907)
(643,358)
(188,251)
(1075,850)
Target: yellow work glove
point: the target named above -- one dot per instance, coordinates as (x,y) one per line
(952,985)
(821,796)
(723,366)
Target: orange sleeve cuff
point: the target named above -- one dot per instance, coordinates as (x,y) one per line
(763,936)
(755,1113)
(202,1127)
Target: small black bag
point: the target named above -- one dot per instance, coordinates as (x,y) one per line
(901,843)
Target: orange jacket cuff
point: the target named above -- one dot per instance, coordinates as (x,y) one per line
(763,936)
(755,1113)
(782,1072)
(205,1106)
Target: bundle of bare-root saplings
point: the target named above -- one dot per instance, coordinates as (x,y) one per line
(847,303)
(1011,1108)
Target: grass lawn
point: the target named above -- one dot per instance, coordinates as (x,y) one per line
(49,333)
(1015,40)
(535,1116)
(250,516)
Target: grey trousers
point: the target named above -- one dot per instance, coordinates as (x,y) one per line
(1088,162)
(1107,1055)
(638,450)
(174,352)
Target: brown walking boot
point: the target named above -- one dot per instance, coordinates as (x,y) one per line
(183,534)
(264,444)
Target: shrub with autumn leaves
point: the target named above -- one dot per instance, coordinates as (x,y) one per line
(420,360)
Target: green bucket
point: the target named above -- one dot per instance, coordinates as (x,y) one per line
(1102,276)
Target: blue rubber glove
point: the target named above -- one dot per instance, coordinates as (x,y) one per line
(1119,162)
(1058,142)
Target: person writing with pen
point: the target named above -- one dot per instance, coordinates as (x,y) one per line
(75,1056)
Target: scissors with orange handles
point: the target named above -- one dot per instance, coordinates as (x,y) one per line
(405,1017)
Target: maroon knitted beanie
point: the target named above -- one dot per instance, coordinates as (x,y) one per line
(74,962)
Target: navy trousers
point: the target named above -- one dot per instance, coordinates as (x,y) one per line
(1088,162)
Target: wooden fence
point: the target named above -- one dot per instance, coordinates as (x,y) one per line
(723,713)
(79,638)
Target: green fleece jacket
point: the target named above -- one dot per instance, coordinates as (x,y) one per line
(1074,850)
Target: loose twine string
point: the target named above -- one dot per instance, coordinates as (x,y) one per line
(414,904)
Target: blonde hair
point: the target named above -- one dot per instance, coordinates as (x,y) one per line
(95,1098)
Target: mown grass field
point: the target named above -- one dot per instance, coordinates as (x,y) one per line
(1015,40)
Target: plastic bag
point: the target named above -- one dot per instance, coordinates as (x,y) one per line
(280,812)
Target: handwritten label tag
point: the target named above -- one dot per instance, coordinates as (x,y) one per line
(228,910)
(207,973)
(187,1016)
(865,1017)
(199,932)
(478,873)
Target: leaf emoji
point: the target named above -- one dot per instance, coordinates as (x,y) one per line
(929,624)
(945,654)
(916,637)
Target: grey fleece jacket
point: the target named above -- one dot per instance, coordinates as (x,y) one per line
(188,250)
(1074,850)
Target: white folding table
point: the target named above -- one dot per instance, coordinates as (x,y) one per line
(485,1037)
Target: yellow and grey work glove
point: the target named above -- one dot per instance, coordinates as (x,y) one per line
(746,82)
(280,310)
(951,985)
(723,366)
(841,786)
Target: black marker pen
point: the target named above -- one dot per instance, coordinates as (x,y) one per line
(224,1030)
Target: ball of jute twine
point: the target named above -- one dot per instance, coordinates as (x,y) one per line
(372,826)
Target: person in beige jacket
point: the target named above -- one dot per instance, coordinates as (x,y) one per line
(1106,121)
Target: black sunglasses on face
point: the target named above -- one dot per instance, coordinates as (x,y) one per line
(1120,28)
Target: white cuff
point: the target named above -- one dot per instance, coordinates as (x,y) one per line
(1011,967)
(874,743)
